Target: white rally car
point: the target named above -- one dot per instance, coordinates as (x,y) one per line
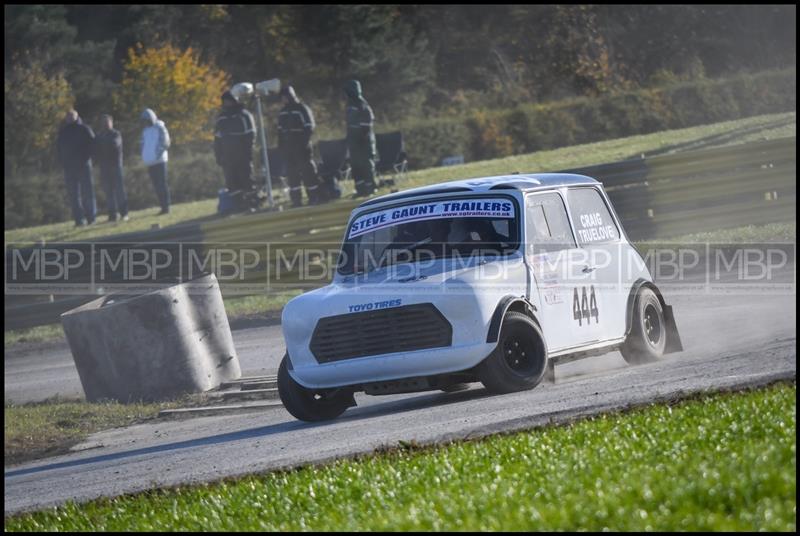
(494,280)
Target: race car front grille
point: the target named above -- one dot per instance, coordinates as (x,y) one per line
(397,329)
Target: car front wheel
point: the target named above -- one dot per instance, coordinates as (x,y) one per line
(310,404)
(520,359)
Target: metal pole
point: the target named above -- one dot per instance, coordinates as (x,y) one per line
(264,156)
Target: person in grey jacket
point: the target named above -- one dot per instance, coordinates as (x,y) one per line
(108,156)
(155,142)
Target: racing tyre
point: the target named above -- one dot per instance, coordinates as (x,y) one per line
(648,336)
(520,359)
(309,404)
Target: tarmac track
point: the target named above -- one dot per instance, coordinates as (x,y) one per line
(733,340)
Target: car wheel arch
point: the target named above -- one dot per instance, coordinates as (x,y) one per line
(673,338)
(507,304)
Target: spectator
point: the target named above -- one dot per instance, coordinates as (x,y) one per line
(234,134)
(108,156)
(155,142)
(295,127)
(360,139)
(74,144)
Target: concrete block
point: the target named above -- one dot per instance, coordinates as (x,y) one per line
(155,346)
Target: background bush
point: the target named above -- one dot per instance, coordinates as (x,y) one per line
(530,128)
(33,98)
(183,91)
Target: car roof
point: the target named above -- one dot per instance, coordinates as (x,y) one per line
(523,182)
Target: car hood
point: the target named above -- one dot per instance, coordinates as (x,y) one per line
(444,279)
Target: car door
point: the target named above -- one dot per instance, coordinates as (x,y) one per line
(603,288)
(553,256)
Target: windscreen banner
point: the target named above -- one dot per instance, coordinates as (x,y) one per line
(459,208)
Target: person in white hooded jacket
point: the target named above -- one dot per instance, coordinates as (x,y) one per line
(155,142)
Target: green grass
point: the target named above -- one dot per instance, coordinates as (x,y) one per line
(140,220)
(723,462)
(46,333)
(33,431)
(259,304)
(762,127)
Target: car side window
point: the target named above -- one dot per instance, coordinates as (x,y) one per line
(547,224)
(592,219)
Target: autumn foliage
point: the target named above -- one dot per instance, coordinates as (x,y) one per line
(35,103)
(183,91)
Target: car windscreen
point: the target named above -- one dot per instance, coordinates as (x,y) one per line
(426,230)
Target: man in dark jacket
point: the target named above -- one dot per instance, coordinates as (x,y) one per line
(360,139)
(108,155)
(234,134)
(295,127)
(74,145)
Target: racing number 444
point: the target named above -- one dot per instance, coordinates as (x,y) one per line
(585,307)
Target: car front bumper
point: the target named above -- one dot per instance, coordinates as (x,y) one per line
(390,366)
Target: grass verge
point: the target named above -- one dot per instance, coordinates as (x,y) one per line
(46,333)
(51,427)
(48,428)
(722,462)
(270,304)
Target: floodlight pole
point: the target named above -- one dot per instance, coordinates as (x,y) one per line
(264,154)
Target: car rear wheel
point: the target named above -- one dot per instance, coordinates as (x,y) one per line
(648,336)
(520,359)
(309,404)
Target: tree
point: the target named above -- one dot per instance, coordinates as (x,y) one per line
(580,52)
(35,103)
(382,46)
(44,32)
(182,90)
